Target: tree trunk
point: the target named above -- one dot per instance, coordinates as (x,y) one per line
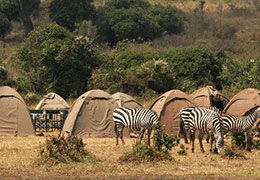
(25,17)
(27,23)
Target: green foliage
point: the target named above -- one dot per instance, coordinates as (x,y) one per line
(135,71)
(232,151)
(32,98)
(8,8)
(62,150)
(169,18)
(52,59)
(68,13)
(3,74)
(5,25)
(138,20)
(183,150)
(144,153)
(241,74)
(153,75)
(193,63)
(162,141)
(238,139)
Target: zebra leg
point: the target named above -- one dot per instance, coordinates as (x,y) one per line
(183,132)
(212,139)
(249,141)
(200,140)
(207,139)
(121,137)
(149,135)
(192,139)
(117,134)
(141,134)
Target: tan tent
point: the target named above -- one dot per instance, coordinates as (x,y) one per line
(208,96)
(243,102)
(125,100)
(168,107)
(15,118)
(52,101)
(91,115)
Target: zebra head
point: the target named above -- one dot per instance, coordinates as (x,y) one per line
(257,111)
(219,143)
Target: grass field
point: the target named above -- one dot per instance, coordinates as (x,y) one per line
(18,157)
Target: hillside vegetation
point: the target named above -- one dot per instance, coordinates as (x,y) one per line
(218,44)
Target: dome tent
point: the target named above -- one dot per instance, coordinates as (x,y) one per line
(52,101)
(125,100)
(168,107)
(243,102)
(208,96)
(91,115)
(15,118)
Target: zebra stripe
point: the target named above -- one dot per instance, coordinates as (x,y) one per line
(204,120)
(241,124)
(135,120)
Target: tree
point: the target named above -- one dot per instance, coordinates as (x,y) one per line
(20,10)
(5,25)
(68,13)
(53,59)
(136,20)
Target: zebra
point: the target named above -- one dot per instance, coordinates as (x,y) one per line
(241,124)
(212,108)
(206,121)
(137,120)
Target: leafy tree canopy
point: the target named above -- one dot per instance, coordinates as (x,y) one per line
(68,13)
(54,60)
(136,20)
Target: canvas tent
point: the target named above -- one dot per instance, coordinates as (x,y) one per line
(52,101)
(244,101)
(168,107)
(15,118)
(208,96)
(91,115)
(124,100)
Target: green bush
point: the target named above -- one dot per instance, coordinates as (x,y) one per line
(136,20)
(183,150)
(193,67)
(62,150)
(68,13)
(53,59)
(232,151)
(162,141)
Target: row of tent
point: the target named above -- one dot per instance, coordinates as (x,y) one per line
(91,114)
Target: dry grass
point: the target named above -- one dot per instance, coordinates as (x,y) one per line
(19,154)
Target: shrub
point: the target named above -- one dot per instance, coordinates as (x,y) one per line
(232,151)
(162,144)
(238,139)
(183,150)
(162,141)
(62,150)
(68,13)
(136,20)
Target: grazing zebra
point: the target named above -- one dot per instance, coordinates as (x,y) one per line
(241,124)
(212,108)
(135,120)
(206,121)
